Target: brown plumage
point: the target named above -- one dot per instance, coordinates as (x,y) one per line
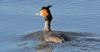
(53,38)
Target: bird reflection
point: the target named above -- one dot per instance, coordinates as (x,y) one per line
(44,47)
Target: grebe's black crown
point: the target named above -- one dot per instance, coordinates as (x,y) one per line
(47,7)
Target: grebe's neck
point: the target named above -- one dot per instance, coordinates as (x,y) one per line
(47,27)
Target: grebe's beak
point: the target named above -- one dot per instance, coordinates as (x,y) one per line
(43,13)
(37,14)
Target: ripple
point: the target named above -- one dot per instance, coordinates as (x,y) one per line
(33,42)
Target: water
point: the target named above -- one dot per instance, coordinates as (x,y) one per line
(20,28)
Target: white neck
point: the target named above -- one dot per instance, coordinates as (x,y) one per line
(47,26)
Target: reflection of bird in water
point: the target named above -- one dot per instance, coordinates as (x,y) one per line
(48,36)
(44,47)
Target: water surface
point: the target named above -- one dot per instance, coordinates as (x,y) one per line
(20,28)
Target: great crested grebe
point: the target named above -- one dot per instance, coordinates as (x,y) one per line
(48,37)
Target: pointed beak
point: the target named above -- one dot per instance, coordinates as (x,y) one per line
(37,14)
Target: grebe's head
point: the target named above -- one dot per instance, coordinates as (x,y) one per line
(45,12)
